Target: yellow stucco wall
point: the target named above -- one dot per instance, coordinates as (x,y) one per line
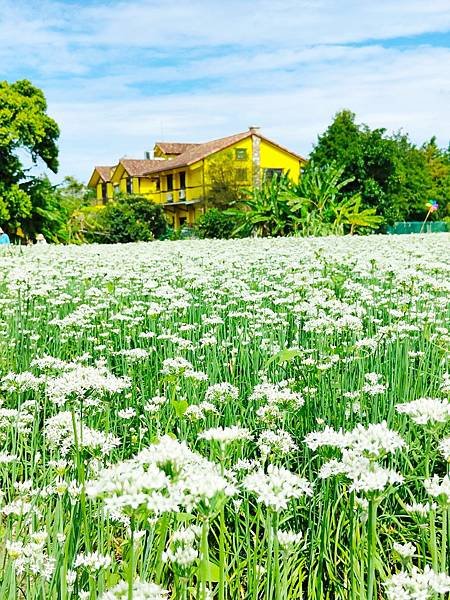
(99,191)
(273,157)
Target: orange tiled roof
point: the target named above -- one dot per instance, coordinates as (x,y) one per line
(104,172)
(199,151)
(138,167)
(175,147)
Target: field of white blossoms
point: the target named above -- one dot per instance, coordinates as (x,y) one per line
(251,419)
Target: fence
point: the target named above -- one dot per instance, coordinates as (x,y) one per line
(416,227)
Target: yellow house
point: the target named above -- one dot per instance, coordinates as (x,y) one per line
(181,176)
(101,181)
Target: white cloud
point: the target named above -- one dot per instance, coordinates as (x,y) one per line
(119,75)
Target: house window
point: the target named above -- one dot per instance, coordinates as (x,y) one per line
(241,174)
(271,173)
(158,184)
(182,180)
(104,191)
(240,154)
(169,183)
(129,185)
(116,189)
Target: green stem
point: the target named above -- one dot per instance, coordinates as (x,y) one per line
(371,548)
(131,562)
(81,481)
(222,559)
(352,546)
(444,541)
(284,580)
(433,544)
(269,533)
(164,525)
(276,558)
(204,567)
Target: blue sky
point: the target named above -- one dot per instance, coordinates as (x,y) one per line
(119,75)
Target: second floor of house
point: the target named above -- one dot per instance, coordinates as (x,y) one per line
(188,173)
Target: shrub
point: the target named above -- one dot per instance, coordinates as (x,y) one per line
(218,224)
(132,219)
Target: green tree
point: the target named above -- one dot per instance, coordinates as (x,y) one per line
(48,215)
(224,181)
(389,172)
(131,218)
(438,163)
(25,129)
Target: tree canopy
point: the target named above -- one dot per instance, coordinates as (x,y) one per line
(389,172)
(25,129)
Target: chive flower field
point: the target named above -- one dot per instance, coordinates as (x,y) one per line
(260,419)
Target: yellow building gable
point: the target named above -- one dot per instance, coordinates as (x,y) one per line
(101,181)
(181,176)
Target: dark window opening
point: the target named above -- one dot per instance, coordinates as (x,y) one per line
(241,174)
(104,191)
(129,185)
(182,180)
(240,154)
(169,183)
(271,173)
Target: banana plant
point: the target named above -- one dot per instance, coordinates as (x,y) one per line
(267,210)
(348,213)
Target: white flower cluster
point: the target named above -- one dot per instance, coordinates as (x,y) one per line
(199,412)
(165,477)
(275,442)
(373,385)
(289,539)
(133,354)
(32,558)
(19,420)
(92,561)
(80,382)
(417,585)
(420,509)
(276,488)
(444,448)
(181,550)
(277,394)
(21,382)
(426,410)
(406,550)
(59,432)
(439,489)
(225,435)
(142,590)
(155,404)
(174,368)
(373,441)
(360,451)
(219,393)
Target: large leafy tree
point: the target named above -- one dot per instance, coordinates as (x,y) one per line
(388,171)
(25,129)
